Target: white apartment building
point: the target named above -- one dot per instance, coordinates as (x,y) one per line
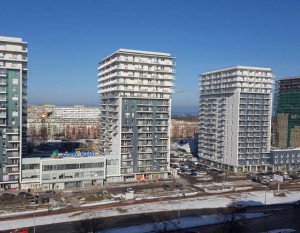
(235,118)
(13,104)
(135,90)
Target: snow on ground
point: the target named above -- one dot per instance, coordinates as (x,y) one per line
(281,231)
(215,201)
(182,224)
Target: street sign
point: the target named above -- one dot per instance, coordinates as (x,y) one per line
(278,178)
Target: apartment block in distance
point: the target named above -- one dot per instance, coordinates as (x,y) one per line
(135,90)
(62,122)
(13,101)
(287,108)
(235,118)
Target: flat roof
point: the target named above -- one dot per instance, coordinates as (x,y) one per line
(291,149)
(137,52)
(11,39)
(288,78)
(238,67)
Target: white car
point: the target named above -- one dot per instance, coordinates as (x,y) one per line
(202,173)
(286,177)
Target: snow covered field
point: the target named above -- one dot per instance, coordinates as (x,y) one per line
(183,223)
(215,201)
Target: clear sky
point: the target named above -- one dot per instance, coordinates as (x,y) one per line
(67,38)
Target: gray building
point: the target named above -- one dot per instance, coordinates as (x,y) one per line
(13,104)
(135,90)
(285,159)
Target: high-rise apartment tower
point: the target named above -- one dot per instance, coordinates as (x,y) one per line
(13,101)
(135,90)
(287,108)
(235,118)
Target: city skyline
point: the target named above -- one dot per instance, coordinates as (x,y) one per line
(67,39)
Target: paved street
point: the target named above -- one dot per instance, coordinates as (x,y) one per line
(281,216)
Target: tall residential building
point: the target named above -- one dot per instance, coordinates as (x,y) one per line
(13,101)
(235,118)
(135,90)
(287,109)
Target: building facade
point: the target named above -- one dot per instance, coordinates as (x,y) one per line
(183,129)
(62,122)
(135,90)
(13,104)
(62,173)
(287,109)
(285,159)
(235,118)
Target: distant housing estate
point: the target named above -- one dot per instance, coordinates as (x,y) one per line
(48,122)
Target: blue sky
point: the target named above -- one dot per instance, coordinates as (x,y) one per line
(67,39)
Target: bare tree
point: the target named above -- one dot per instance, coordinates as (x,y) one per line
(165,222)
(232,219)
(90,225)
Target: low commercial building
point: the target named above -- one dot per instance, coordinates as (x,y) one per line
(62,172)
(285,159)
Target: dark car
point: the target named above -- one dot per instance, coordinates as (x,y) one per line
(49,192)
(24,194)
(166,187)
(7,196)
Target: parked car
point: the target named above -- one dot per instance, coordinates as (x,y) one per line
(49,192)
(188,172)
(7,195)
(202,173)
(25,195)
(22,194)
(287,177)
(166,187)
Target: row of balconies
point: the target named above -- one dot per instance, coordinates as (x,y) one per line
(18,47)
(12,57)
(121,82)
(136,89)
(232,90)
(218,75)
(136,75)
(134,69)
(152,61)
(237,80)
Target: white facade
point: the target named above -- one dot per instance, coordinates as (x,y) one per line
(62,173)
(13,104)
(235,118)
(135,90)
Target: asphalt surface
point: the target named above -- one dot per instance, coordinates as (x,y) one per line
(280,216)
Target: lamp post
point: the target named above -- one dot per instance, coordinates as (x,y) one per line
(178,215)
(34,214)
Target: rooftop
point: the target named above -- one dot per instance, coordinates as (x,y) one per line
(238,68)
(141,52)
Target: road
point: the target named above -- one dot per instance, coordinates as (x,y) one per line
(281,216)
(283,219)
